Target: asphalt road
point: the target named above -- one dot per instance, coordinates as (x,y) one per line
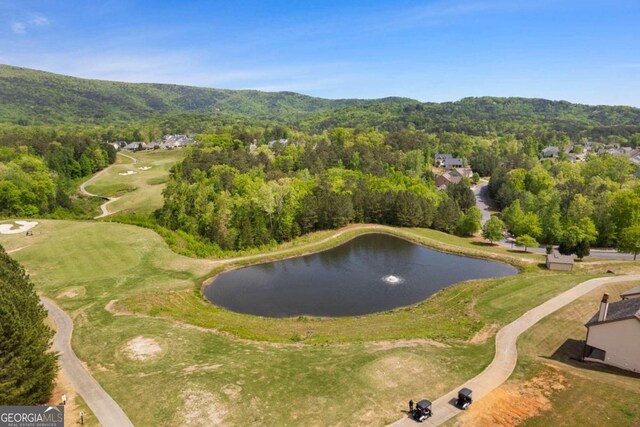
(482,202)
(506,356)
(106,410)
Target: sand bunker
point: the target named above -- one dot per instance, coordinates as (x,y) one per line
(127,173)
(17,228)
(141,348)
(144,168)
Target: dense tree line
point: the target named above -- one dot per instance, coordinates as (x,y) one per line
(573,205)
(239,197)
(27,365)
(40,166)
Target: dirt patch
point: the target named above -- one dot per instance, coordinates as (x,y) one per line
(72,293)
(142,349)
(115,310)
(484,334)
(397,370)
(232,390)
(388,345)
(197,368)
(63,387)
(513,403)
(200,408)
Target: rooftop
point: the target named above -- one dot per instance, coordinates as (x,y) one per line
(559,259)
(619,310)
(630,292)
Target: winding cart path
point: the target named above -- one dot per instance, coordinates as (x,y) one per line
(109,200)
(106,410)
(506,357)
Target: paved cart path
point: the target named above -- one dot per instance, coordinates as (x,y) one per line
(506,357)
(109,200)
(103,406)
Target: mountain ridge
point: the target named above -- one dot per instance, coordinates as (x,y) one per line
(30,96)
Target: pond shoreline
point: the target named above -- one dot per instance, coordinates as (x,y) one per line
(283,296)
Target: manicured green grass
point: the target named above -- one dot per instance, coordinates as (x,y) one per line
(319,371)
(139,192)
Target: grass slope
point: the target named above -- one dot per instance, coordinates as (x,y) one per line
(140,192)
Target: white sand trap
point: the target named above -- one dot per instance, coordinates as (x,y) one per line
(127,173)
(20,227)
(141,348)
(145,168)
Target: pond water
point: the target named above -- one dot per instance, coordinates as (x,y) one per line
(370,273)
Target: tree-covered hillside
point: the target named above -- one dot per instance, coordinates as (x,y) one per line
(31,96)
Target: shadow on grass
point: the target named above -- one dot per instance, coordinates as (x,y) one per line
(570,353)
(487,244)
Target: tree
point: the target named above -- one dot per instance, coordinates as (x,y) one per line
(27,366)
(462,194)
(526,241)
(493,229)
(629,241)
(578,238)
(470,223)
(447,216)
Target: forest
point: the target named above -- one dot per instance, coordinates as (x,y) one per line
(27,365)
(40,169)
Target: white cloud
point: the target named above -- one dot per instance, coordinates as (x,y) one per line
(39,21)
(19,27)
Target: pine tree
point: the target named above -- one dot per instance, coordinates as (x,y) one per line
(27,366)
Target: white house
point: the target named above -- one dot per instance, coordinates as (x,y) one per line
(613,334)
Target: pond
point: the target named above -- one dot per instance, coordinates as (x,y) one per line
(370,273)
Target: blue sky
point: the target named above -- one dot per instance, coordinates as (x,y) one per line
(582,51)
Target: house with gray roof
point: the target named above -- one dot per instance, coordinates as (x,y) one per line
(631,293)
(613,334)
(550,152)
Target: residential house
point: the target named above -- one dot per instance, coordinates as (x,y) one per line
(555,261)
(446,179)
(452,176)
(613,334)
(448,162)
(440,159)
(551,152)
(631,293)
(134,146)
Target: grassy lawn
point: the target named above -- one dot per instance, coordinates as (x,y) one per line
(303,371)
(139,192)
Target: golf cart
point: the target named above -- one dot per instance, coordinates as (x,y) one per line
(422,411)
(464,398)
